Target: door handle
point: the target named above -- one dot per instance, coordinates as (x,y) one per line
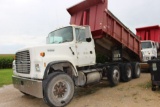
(71,50)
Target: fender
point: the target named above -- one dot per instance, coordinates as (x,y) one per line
(58,62)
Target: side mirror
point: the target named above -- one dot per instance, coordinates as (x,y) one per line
(88,39)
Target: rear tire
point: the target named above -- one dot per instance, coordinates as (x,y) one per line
(114,75)
(136,70)
(58,89)
(127,72)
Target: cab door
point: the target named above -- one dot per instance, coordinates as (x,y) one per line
(154,50)
(85,50)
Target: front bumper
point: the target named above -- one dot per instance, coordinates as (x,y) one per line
(28,86)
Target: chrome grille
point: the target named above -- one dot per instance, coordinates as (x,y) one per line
(23,62)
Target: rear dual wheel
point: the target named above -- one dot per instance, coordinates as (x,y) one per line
(136,70)
(114,75)
(130,70)
(126,72)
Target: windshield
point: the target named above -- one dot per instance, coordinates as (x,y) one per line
(146,45)
(60,36)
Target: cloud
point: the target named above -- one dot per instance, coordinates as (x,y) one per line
(22,40)
(9,48)
(28,22)
(12,43)
(136,13)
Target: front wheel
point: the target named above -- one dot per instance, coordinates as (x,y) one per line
(58,89)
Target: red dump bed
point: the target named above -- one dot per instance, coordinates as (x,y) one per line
(107,30)
(149,33)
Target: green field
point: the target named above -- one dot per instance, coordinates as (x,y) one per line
(7,56)
(5,77)
(6,60)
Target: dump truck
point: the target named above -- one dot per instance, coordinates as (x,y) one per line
(150,40)
(69,58)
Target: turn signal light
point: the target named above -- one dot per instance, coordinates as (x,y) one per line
(42,54)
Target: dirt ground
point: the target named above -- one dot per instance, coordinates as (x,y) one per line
(130,94)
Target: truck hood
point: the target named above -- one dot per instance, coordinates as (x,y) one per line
(52,52)
(46,47)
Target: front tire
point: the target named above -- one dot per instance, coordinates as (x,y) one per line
(58,89)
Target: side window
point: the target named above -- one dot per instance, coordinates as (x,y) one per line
(80,35)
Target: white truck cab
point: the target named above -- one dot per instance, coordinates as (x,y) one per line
(67,49)
(65,44)
(149,50)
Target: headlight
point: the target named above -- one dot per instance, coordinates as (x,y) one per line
(37,67)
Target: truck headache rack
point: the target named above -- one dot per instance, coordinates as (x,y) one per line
(106,29)
(149,33)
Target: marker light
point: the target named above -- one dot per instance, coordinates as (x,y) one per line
(37,67)
(42,54)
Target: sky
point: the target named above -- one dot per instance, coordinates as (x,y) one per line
(28,22)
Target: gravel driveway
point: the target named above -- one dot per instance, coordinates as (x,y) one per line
(130,94)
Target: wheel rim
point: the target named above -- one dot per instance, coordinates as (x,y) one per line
(116,75)
(138,71)
(61,90)
(129,72)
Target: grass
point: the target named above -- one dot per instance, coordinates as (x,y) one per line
(146,85)
(5,77)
